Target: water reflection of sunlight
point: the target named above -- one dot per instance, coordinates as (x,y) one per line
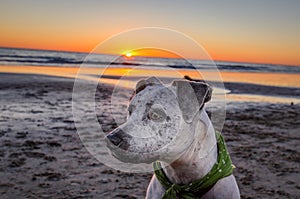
(113,75)
(273,79)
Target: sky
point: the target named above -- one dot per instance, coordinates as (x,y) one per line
(258,31)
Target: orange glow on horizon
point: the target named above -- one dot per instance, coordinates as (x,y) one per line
(151,52)
(217,54)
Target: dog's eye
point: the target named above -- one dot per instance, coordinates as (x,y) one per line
(156,115)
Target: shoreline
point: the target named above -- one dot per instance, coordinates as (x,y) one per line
(234,90)
(266,79)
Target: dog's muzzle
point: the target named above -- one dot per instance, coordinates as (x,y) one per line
(118,139)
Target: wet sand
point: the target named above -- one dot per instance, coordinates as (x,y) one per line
(42,156)
(267,79)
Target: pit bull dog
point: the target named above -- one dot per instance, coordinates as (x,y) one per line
(167,125)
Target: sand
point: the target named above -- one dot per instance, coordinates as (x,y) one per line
(42,156)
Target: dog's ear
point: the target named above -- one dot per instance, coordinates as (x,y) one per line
(191,97)
(142,84)
(146,82)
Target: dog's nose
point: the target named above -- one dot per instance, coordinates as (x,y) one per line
(114,138)
(118,138)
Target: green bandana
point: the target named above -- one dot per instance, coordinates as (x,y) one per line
(222,168)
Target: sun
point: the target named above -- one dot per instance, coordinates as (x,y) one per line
(128,54)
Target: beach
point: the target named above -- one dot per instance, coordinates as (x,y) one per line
(69,69)
(42,155)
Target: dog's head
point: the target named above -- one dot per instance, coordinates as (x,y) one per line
(159,120)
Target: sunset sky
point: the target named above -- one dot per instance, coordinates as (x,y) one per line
(263,31)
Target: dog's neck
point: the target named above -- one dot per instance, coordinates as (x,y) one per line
(198,160)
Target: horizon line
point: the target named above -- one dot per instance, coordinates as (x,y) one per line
(155,57)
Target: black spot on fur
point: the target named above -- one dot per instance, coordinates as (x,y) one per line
(159,132)
(148,106)
(168,118)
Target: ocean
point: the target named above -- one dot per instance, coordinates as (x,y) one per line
(28,57)
(242,81)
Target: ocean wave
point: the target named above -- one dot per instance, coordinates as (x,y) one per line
(11,56)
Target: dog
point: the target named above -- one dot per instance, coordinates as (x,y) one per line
(169,124)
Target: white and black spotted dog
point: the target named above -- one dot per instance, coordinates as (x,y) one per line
(168,123)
